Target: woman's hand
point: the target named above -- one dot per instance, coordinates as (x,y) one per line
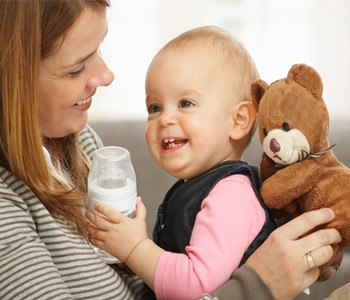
(116,233)
(281,261)
(335,265)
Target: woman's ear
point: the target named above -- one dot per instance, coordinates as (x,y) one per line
(243,115)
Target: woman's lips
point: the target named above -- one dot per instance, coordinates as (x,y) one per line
(83,104)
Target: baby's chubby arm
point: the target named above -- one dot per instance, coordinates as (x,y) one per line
(126,239)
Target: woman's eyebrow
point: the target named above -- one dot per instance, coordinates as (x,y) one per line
(81,59)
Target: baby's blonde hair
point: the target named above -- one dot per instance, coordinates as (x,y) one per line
(230,53)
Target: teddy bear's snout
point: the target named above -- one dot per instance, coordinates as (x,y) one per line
(286,148)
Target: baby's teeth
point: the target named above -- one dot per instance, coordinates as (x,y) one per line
(169,141)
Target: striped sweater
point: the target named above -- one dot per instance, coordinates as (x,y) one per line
(42,258)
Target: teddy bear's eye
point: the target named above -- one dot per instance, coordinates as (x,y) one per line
(285,126)
(265,131)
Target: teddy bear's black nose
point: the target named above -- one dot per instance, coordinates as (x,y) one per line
(275,145)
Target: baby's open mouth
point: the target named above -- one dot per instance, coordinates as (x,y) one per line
(173,143)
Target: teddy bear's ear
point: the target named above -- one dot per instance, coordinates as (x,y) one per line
(257,90)
(308,78)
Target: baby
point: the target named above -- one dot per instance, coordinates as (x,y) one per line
(200,121)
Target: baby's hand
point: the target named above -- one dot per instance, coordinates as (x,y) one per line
(117,233)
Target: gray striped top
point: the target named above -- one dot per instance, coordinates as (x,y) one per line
(41,257)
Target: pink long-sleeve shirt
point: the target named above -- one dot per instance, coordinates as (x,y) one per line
(229,220)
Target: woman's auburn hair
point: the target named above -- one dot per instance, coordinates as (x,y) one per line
(30,31)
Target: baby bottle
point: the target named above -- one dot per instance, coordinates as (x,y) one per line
(112,181)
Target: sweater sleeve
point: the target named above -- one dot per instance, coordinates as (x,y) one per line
(229,220)
(342,292)
(30,271)
(245,284)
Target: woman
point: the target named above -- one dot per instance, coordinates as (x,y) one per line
(50,68)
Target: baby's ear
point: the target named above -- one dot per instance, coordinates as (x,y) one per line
(244,117)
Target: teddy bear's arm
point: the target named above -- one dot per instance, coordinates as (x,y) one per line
(313,200)
(290,183)
(267,167)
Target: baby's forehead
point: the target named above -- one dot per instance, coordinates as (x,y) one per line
(204,49)
(229,55)
(191,60)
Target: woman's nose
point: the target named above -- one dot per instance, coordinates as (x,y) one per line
(103,75)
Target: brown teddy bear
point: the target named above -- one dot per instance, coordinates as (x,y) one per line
(298,168)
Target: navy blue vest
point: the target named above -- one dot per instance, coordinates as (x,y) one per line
(177,214)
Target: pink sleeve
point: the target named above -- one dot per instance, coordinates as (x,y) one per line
(224,228)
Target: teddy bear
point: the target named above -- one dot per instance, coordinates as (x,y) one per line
(299,170)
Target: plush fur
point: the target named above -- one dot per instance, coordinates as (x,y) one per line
(299,170)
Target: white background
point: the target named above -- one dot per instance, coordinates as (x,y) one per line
(277,33)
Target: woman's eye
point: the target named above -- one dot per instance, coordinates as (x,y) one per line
(153,108)
(185,103)
(77,72)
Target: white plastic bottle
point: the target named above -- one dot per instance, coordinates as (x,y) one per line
(112,181)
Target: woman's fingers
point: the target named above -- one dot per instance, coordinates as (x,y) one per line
(320,247)
(322,238)
(291,253)
(326,274)
(318,257)
(306,222)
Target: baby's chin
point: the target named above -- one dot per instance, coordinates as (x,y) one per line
(181,173)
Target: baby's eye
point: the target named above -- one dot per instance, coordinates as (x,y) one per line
(153,108)
(185,103)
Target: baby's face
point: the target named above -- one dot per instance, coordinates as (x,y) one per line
(190,108)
